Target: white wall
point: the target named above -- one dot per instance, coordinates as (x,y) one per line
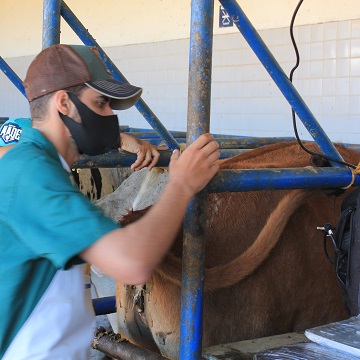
(245,101)
(124,22)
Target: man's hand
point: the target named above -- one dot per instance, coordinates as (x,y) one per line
(195,167)
(147,154)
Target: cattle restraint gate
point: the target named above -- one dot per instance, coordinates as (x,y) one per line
(198,119)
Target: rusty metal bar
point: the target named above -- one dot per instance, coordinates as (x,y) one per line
(51,23)
(122,349)
(200,66)
(116,159)
(126,159)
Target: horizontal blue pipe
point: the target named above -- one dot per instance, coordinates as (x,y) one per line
(105,305)
(182,135)
(226,143)
(142,130)
(6,69)
(116,159)
(126,159)
(153,135)
(240,180)
(281,80)
(142,107)
(281,179)
(126,128)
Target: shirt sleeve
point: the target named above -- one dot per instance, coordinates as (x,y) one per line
(50,215)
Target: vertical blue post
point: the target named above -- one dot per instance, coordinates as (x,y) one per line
(51,23)
(281,80)
(201,35)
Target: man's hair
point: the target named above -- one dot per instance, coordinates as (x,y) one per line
(39,106)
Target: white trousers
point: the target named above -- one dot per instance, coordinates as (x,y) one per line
(61,326)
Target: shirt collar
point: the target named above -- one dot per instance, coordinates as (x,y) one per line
(64,164)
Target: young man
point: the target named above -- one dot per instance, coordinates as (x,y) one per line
(48,227)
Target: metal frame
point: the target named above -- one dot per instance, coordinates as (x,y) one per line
(201,28)
(202,14)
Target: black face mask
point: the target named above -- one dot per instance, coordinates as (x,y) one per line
(96,134)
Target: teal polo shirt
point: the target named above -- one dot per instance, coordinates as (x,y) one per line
(44,223)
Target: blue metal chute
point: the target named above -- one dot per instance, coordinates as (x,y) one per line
(200,63)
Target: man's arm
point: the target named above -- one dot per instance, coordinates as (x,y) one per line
(130,254)
(147,154)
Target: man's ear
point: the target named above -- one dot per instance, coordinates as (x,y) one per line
(62,102)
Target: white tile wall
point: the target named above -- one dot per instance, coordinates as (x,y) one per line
(245,100)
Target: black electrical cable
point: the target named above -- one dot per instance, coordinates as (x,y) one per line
(292,110)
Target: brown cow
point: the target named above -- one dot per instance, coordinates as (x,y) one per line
(266,272)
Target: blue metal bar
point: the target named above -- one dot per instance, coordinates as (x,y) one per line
(249,142)
(240,180)
(143,108)
(225,143)
(123,158)
(104,305)
(51,23)
(226,153)
(115,159)
(154,134)
(6,69)
(200,66)
(281,80)
(192,289)
(281,179)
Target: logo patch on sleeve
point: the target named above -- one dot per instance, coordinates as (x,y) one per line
(10,133)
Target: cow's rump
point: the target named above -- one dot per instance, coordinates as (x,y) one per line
(266,272)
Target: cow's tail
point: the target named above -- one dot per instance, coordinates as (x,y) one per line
(229,274)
